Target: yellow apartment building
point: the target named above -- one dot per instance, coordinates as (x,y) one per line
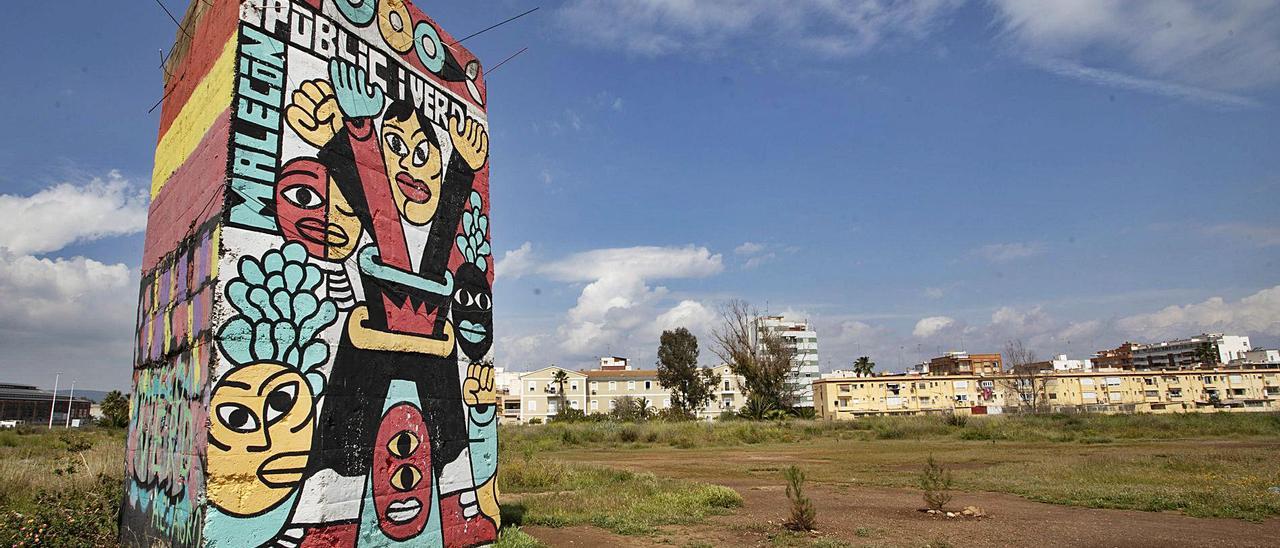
(1208,390)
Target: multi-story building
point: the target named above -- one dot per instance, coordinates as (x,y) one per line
(541,396)
(802,342)
(1061,363)
(21,403)
(1120,357)
(730,394)
(1183,353)
(605,388)
(1259,356)
(1168,391)
(964,363)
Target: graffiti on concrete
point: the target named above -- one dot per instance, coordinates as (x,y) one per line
(348,396)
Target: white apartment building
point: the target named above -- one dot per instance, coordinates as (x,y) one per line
(1181,353)
(803,342)
(537,394)
(1259,356)
(1061,363)
(540,395)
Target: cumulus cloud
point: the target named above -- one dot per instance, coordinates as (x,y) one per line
(1182,48)
(75,313)
(928,327)
(516,262)
(63,214)
(1003,253)
(1257,314)
(834,28)
(748,248)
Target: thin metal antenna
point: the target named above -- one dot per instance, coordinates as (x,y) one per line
(478,33)
(174,19)
(504,61)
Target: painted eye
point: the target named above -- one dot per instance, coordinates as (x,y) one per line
(457,297)
(473,70)
(405,477)
(237,417)
(396,145)
(302,196)
(421,154)
(403,444)
(471,299)
(483,301)
(280,401)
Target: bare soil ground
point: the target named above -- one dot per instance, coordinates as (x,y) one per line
(858,515)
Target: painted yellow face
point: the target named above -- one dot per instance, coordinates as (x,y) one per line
(259,437)
(414,168)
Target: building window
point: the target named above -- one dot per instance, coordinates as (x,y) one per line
(631,385)
(595,405)
(532,406)
(666,402)
(648,385)
(533,386)
(613,404)
(613,387)
(573,385)
(726,386)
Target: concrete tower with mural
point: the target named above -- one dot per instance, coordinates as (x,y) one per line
(315,315)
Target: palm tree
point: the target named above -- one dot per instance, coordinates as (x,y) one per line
(643,409)
(560,377)
(1207,354)
(864,367)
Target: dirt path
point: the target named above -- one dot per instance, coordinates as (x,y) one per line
(873,516)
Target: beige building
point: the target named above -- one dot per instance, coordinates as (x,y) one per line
(537,394)
(1091,391)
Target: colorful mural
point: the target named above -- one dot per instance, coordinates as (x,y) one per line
(332,387)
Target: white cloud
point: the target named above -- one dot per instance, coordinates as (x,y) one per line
(1178,47)
(63,214)
(618,301)
(689,314)
(836,28)
(1257,314)
(516,262)
(617,104)
(928,327)
(758,260)
(1124,81)
(1002,253)
(748,248)
(934,292)
(1257,235)
(73,314)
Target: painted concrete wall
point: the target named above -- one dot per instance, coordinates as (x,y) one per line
(315,317)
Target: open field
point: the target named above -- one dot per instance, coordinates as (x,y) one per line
(1079,480)
(1115,481)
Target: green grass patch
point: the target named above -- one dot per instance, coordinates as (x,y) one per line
(513,537)
(554,494)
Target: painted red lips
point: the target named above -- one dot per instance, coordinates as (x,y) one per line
(414,190)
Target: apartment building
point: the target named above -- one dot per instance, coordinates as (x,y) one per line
(541,396)
(1120,357)
(964,363)
(802,341)
(1182,353)
(1166,391)
(730,394)
(1259,356)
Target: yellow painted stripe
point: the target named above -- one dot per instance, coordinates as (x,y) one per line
(209,99)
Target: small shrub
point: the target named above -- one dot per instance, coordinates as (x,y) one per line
(958,421)
(535,420)
(935,481)
(803,516)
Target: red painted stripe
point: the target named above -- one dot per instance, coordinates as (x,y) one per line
(211,31)
(194,194)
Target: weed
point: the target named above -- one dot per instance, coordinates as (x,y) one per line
(513,537)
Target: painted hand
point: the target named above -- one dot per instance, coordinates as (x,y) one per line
(314,113)
(471,141)
(477,389)
(356,96)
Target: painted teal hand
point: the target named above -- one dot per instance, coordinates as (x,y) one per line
(357,97)
(473,242)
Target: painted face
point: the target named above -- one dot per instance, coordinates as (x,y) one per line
(311,210)
(402,488)
(413,167)
(259,437)
(473,311)
(395,25)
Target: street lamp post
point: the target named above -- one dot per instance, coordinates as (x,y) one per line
(70,399)
(54,403)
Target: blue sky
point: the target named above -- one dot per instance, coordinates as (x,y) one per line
(909,176)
